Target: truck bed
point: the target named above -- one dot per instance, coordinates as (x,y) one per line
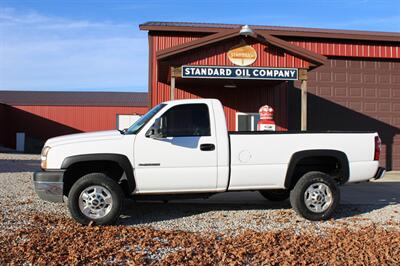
(253,154)
(297,132)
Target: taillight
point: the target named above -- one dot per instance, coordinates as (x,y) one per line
(378,144)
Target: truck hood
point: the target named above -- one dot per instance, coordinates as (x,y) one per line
(84,137)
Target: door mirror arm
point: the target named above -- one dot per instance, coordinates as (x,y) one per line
(156,131)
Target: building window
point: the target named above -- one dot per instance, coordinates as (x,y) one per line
(247,121)
(125,121)
(187,120)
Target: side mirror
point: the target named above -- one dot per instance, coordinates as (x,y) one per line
(156,131)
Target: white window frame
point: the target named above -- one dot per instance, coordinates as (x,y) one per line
(118,114)
(252,120)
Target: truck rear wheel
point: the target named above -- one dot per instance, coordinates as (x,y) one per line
(275,194)
(315,196)
(95,198)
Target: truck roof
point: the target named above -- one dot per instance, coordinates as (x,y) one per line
(206,100)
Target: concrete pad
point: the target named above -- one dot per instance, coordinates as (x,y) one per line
(376,192)
(392,175)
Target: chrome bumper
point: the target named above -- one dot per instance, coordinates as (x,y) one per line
(379,173)
(49,185)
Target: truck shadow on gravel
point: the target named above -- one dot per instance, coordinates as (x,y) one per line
(356,200)
(138,213)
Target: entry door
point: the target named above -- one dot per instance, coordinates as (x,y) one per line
(247,121)
(186,160)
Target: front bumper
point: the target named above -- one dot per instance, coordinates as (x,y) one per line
(379,173)
(49,185)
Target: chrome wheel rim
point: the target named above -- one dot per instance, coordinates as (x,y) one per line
(95,202)
(318,197)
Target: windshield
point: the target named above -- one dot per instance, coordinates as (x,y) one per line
(135,128)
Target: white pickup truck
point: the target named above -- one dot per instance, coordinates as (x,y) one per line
(183,149)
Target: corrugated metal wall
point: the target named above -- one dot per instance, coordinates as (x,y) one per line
(267,93)
(267,56)
(359,94)
(83,118)
(217,55)
(357,90)
(349,48)
(165,40)
(354,94)
(43,122)
(233,99)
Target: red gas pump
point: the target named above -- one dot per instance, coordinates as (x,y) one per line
(266,121)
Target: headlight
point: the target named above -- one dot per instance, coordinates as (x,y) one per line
(43,157)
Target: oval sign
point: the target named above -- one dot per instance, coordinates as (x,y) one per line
(242,56)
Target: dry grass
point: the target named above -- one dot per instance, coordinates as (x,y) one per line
(54,240)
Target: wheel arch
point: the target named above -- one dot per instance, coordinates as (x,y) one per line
(297,157)
(121,160)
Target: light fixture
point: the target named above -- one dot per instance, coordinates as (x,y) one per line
(246,31)
(230,85)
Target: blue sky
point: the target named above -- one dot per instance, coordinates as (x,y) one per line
(97,45)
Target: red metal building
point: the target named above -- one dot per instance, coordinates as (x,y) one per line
(42,115)
(344,80)
(350,79)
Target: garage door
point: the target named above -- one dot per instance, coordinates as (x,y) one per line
(359,95)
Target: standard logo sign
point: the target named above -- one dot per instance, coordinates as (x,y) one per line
(242,56)
(239,72)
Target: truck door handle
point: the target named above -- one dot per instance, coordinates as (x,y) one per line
(207,147)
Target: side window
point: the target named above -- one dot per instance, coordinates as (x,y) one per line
(187,120)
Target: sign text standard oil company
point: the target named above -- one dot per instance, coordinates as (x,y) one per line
(239,72)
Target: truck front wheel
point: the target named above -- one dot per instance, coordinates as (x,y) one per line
(315,196)
(95,198)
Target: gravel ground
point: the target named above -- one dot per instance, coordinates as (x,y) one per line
(218,217)
(17,196)
(228,216)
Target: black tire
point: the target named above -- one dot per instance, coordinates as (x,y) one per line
(275,194)
(297,196)
(101,180)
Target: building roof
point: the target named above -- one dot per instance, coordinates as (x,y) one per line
(69,98)
(274,30)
